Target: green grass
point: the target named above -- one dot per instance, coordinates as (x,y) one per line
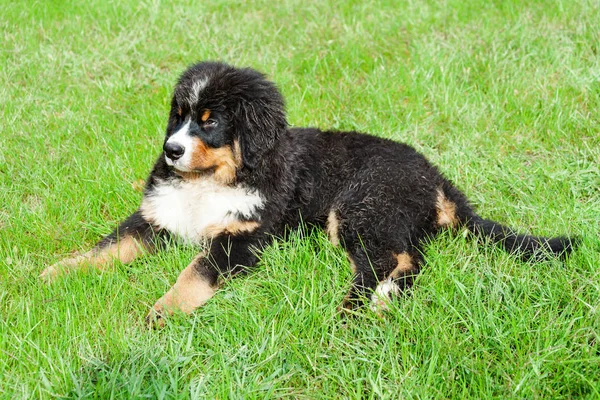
(503,95)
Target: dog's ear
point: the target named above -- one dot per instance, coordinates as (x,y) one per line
(260,123)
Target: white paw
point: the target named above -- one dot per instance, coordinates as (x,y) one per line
(381,297)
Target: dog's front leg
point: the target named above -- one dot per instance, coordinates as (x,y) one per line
(228,255)
(133,236)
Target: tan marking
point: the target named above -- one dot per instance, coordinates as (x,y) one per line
(404,265)
(139,185)
(446,210)
(237,153)
(189,292)
(231,228)
(346,303)
(223,159)
(185,175)
(179,111)
(205,115)
(352,264)
(125,251)
(346,307)
(332,228)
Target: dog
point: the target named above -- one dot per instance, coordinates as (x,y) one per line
(233,176)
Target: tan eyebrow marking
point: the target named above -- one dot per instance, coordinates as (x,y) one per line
(205,115)
(179,111)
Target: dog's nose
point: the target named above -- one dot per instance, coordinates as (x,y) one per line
(173,150)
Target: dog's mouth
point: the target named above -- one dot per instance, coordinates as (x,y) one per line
(199,159)
(176,164)
(189,174)
(184,171)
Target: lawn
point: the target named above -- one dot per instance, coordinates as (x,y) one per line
(504,96)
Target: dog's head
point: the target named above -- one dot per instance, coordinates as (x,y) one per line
(222,119)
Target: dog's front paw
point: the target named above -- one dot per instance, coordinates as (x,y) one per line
(156,317)
(50,273)
(62,267)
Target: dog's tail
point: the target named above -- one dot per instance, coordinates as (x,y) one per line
(525,246)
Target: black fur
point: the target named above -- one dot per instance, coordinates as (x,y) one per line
(385,196)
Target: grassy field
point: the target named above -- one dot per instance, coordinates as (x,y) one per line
(503,95)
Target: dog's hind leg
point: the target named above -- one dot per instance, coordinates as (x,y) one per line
(383,264)
(133,237)
(378,275)
(396,282)
(367,269)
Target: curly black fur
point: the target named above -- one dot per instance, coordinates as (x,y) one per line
(379,199)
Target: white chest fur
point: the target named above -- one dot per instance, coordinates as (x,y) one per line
(190,209)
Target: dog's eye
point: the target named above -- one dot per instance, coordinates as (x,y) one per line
(210,123)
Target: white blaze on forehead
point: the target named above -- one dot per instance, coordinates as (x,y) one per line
(182,137)
(182,132)
(197,87)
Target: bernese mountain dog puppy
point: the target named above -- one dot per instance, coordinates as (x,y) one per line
(233,176)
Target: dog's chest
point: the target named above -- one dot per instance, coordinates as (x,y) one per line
(191,209)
